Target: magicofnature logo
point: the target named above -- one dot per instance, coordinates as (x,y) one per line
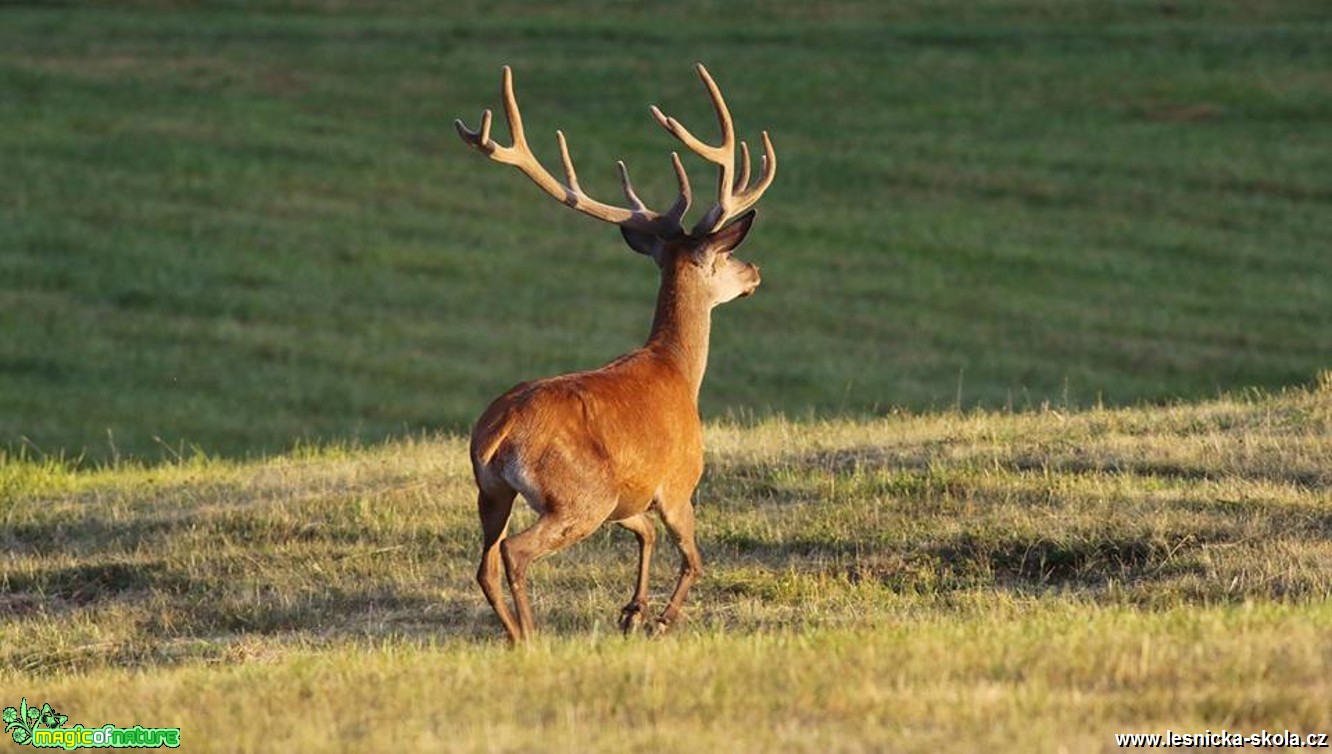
(44,728)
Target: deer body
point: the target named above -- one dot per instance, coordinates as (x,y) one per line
(616,443)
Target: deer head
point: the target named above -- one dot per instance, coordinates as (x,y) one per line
(704,253)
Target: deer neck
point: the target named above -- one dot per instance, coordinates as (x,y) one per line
(681,327)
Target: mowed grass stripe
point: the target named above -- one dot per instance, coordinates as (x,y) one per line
(240,230)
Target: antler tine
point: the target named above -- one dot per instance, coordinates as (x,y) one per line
(681,205)
(511,112)
(570,175)
(479,138)
(748,197)
(742,180)
(734,195)
(628,187)
(519,154)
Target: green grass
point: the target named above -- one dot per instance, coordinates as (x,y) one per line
(964,581)
(1023,443)
(235,230)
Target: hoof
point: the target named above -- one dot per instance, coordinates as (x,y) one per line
(659,627)
(631,617)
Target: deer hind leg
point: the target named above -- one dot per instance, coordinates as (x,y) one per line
(679,520)
(494,509)
(631,617)
(557,528)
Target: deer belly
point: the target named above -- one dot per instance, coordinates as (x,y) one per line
(632,502)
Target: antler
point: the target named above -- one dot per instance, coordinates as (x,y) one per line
(734,195)
(636,216)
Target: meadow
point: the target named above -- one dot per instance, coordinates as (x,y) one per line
(955,581)
(228,231)
(1025,441)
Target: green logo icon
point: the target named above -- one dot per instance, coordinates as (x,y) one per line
(22,722)
(44,728)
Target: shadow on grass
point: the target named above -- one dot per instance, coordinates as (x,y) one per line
(966,537)
(87,584)
(164,616)
(851,460)
(195,587)
(969,561)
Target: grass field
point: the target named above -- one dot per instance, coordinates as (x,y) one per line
(230,229)
(1025,441)
(957,581)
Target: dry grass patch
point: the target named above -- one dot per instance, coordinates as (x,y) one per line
(908,582)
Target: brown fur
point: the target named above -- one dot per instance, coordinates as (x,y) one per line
(612,444)
(618,442)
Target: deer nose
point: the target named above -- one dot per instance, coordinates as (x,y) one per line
(754,280)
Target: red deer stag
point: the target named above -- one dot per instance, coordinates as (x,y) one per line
(616,443)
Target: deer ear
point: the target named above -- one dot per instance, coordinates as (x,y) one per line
(729,237)
(643,243)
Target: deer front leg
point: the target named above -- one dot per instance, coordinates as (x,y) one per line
(645,531)
(679,521)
